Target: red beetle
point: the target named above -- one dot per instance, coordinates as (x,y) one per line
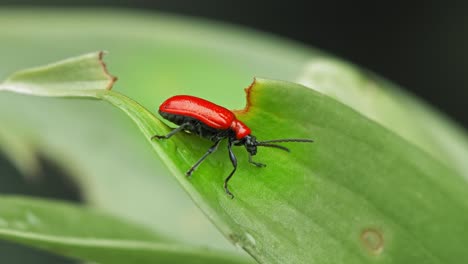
(215,123)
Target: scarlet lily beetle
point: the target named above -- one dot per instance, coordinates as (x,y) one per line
(214,122)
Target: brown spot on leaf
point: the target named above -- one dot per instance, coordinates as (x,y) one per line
(373,240)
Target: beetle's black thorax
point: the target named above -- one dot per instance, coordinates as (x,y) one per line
(197,127)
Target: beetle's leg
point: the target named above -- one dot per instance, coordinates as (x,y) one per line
(210,150)
(234,164)
(258,164)
(174,131)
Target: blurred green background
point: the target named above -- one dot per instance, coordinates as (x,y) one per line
(405,41)
(420,45)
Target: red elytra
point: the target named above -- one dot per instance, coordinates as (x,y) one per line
(215,123)
(210,114)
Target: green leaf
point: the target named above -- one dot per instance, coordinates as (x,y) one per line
(360,193)
(390,106)
(90,235)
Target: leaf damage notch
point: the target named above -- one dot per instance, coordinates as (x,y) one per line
(112,78)
(248,91)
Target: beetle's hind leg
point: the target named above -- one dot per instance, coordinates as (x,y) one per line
(258,164)
(173,132)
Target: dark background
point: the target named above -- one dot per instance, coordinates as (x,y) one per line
(420,45)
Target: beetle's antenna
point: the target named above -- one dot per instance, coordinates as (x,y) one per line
(273,146)
(267,143)
(286,140)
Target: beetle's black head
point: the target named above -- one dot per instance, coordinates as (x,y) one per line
(250,142)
